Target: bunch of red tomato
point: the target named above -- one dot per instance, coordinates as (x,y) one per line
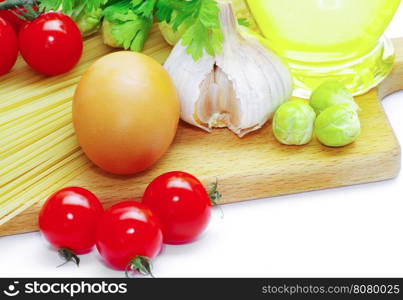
(175,209)
(50,43)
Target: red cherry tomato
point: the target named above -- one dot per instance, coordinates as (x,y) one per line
(129,233)
(9,15)
(51,44)
(69,219)
(182,205)
(12,19)
(8,47)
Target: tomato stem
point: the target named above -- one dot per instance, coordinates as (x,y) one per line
(29,14)
(214,194)
(140,264)
(10,4)
(68,255)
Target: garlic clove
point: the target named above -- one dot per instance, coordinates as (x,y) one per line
(239,89)
(217,105)
(188,76)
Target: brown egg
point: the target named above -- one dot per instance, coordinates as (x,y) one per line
(125,112)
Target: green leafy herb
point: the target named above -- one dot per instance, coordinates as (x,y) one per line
(129,28)
(89,22)
(70,6)
(86,13)
(204,33)
(144,8)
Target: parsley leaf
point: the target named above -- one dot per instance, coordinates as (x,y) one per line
(202,17)
(144,8)
(205,33)
(70,6)
(176,12)
(128,28)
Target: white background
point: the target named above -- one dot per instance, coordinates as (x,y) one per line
(352,231)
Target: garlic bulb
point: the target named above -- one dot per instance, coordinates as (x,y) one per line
(240,88)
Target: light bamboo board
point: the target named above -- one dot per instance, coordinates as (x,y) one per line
(249,168)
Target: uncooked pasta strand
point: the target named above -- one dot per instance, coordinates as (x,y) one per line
(40,105)
(28,155)
(31,119)
(41,191)
(28,137)
(35,175)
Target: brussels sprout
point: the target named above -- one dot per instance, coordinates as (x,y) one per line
(338,126)
(293,123)
(331,93)
(89,23)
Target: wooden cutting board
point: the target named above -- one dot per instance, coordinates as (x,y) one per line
(257,166)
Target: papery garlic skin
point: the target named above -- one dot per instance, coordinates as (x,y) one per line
(240,88)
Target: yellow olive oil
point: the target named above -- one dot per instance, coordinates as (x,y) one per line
(329,39)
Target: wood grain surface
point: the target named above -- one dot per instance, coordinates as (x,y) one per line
(257,166)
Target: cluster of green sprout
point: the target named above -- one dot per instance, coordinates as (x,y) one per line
(331,114)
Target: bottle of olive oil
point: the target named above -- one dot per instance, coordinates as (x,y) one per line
(329,39)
